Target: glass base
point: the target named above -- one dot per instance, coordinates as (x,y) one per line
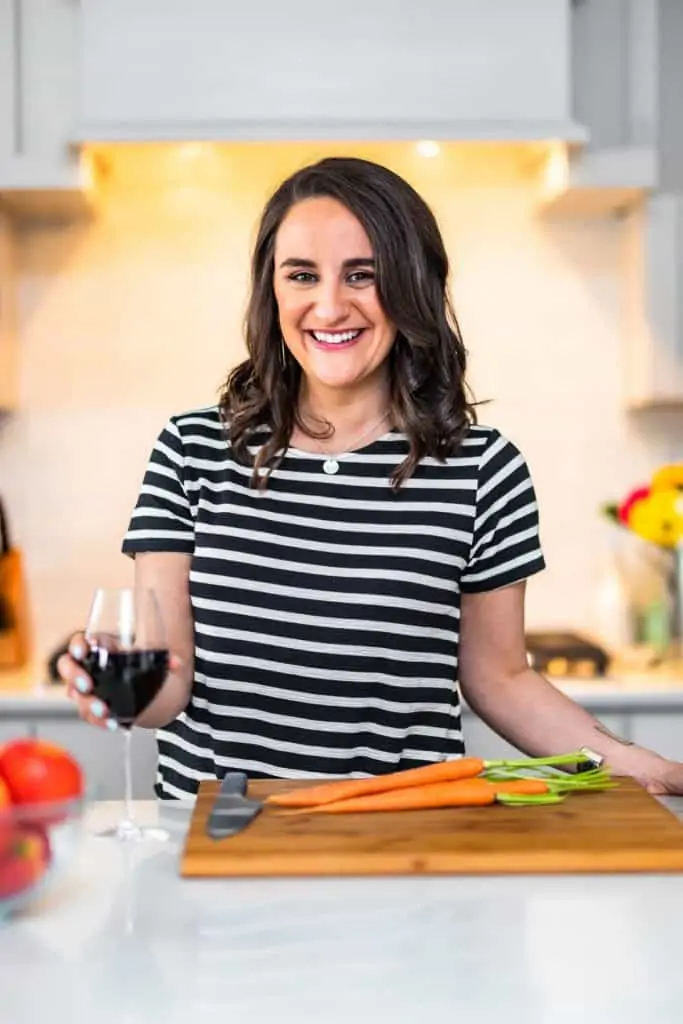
(129,832)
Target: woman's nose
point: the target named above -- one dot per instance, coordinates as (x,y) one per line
(330,302)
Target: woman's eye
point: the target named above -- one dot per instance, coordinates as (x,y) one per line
(308,277)
(302,276)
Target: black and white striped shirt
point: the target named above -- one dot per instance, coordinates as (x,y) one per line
(326,609)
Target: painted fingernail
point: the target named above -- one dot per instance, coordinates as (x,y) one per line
(78,651)
(97,709)
(112,724)
(82,684)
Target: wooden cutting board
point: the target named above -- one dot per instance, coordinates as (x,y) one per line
(621,830)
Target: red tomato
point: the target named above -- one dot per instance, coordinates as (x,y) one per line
(6,819)
(23,864)
(37,772)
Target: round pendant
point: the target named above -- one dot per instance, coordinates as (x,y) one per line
(330,466)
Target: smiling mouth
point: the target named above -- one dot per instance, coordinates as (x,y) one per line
(336,339)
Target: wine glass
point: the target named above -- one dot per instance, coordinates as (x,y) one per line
(127,659)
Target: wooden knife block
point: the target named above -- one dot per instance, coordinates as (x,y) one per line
(15,641)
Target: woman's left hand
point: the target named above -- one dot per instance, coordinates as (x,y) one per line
(660,776)
(669,782)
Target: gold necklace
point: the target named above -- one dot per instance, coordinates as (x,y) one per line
(331,463)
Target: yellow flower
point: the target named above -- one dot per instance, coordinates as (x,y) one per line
(659,518)
(668,477)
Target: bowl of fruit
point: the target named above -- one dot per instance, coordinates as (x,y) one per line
(41,809)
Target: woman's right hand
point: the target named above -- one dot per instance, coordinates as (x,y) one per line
(79,685)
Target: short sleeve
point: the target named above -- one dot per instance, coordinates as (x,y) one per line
(162,519)
(506,546)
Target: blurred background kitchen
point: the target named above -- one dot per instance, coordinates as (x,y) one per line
(139,140)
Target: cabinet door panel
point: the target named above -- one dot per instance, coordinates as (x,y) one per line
(8,335)
(13,730)
(482,741)
(661,731)
(101,755)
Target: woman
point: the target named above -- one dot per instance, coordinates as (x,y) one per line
(339,548)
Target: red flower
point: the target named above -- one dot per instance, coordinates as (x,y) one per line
(639,494)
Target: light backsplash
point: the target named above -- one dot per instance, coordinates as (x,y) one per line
(137,315)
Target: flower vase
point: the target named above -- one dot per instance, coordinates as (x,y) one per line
(675,655)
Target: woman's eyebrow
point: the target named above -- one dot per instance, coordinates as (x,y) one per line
(294,261)
(357,261)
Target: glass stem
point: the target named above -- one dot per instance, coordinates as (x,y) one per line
(128,777)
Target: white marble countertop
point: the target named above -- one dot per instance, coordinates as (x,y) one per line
(122,938)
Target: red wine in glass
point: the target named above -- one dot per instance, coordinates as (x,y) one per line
(127,659)
(127,681)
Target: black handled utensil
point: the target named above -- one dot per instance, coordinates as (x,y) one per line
(232,810)
(6,617)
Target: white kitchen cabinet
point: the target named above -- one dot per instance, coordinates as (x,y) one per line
(100,752)
(8,334)
(13,731)
(653,303)
(101,755)
(168,69)
(626,87)
(659,730)
(481,741)
(39,97)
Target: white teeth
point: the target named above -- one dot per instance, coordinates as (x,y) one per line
(335,339)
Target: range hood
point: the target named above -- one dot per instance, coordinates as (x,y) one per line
(264,71)
(143,71)
(599,79)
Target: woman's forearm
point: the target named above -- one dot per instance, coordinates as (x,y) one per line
(537,718)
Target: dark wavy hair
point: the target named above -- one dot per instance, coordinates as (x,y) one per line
(429,396)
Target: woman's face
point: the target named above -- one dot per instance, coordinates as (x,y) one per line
(324,280)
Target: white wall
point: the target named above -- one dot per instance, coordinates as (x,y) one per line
(138,315)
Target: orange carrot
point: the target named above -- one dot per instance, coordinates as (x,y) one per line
(443,771)
(345,789)
(472,792)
